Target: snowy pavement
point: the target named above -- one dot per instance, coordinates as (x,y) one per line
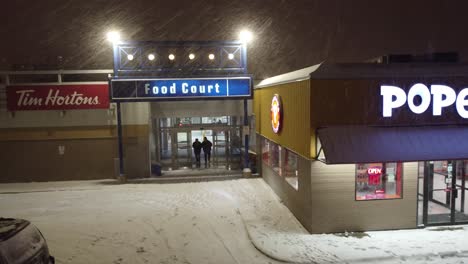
(238,221)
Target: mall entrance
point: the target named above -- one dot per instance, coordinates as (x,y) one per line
(442,196)
(174,137)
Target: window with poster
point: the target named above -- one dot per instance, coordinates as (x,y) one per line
(282,161)
(379,181)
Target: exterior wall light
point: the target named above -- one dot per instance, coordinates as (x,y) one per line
(211,56)
(191,56)
(130,57)
(230,56)
(151,57)
(171,56)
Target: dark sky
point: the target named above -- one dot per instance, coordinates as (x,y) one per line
(289,35)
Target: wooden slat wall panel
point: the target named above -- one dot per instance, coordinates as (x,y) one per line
(57,133)
(334,208)
(31,154)
(296,131)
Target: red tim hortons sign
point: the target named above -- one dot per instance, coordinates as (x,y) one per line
(57,97)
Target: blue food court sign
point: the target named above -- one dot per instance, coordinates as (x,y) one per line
(183,88)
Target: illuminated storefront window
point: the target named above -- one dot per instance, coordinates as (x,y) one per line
(378,181)
(290,168)
(282,161)
(266,151)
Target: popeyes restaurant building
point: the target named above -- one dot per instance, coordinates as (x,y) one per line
(355,147)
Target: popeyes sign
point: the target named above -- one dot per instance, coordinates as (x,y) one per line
(421,98)
(58,97)
(276,113)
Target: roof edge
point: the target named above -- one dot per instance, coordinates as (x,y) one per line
(294,76)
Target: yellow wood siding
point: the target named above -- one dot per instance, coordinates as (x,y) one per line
(295,132)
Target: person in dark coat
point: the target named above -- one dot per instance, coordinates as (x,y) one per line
(197,146)
(206,145)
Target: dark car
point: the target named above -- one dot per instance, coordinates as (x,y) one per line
(22,242)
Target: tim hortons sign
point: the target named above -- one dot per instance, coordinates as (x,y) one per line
(58,97)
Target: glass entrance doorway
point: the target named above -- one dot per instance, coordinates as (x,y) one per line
(175,138)
(442,198)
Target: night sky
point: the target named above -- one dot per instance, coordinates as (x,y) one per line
(289,35)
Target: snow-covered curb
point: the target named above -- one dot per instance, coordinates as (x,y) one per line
(275,232)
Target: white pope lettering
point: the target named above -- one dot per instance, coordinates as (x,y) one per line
(394,97)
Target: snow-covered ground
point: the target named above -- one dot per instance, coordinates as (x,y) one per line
(237,221)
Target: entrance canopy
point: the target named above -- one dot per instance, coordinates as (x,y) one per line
(364,144)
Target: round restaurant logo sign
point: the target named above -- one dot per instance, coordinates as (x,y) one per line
(276,113)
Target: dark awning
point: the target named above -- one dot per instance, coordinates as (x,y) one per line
(362,144)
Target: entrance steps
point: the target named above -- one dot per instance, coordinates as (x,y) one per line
(192,175)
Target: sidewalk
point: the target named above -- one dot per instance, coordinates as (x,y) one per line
(275,232)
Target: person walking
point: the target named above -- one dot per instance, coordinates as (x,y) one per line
(206,145)
(197,146)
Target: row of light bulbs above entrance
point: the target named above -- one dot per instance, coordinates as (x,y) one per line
(172,57)
(244,36)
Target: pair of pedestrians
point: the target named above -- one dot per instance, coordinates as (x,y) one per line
(206,146)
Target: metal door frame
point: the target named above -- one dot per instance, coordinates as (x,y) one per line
(451,195)
(228,130)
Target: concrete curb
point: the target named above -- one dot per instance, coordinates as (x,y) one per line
(294,248)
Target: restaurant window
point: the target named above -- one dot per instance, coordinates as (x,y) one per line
(379,181)
(266,151)
(290,169)
(275,151)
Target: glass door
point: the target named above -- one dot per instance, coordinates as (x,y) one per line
(460,187)
(220,147)
(444,193)
(182,156)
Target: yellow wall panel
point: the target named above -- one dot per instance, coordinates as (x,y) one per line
(295,133)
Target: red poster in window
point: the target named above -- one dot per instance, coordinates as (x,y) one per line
(57,97)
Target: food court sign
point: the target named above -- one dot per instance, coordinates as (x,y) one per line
(184,88)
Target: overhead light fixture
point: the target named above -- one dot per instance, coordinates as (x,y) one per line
(245,36)
(113,36)
(151,57)
(171,57)
(130,57)
(191,56)
(230,56)
(211,56)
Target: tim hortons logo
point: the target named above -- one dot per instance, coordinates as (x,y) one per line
(54,98)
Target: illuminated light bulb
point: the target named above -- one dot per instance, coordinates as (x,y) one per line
(171,56)
(211,56)
(151,57)
(113,36)
(191,56)
(130,57)
(245,36)
(230,56)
